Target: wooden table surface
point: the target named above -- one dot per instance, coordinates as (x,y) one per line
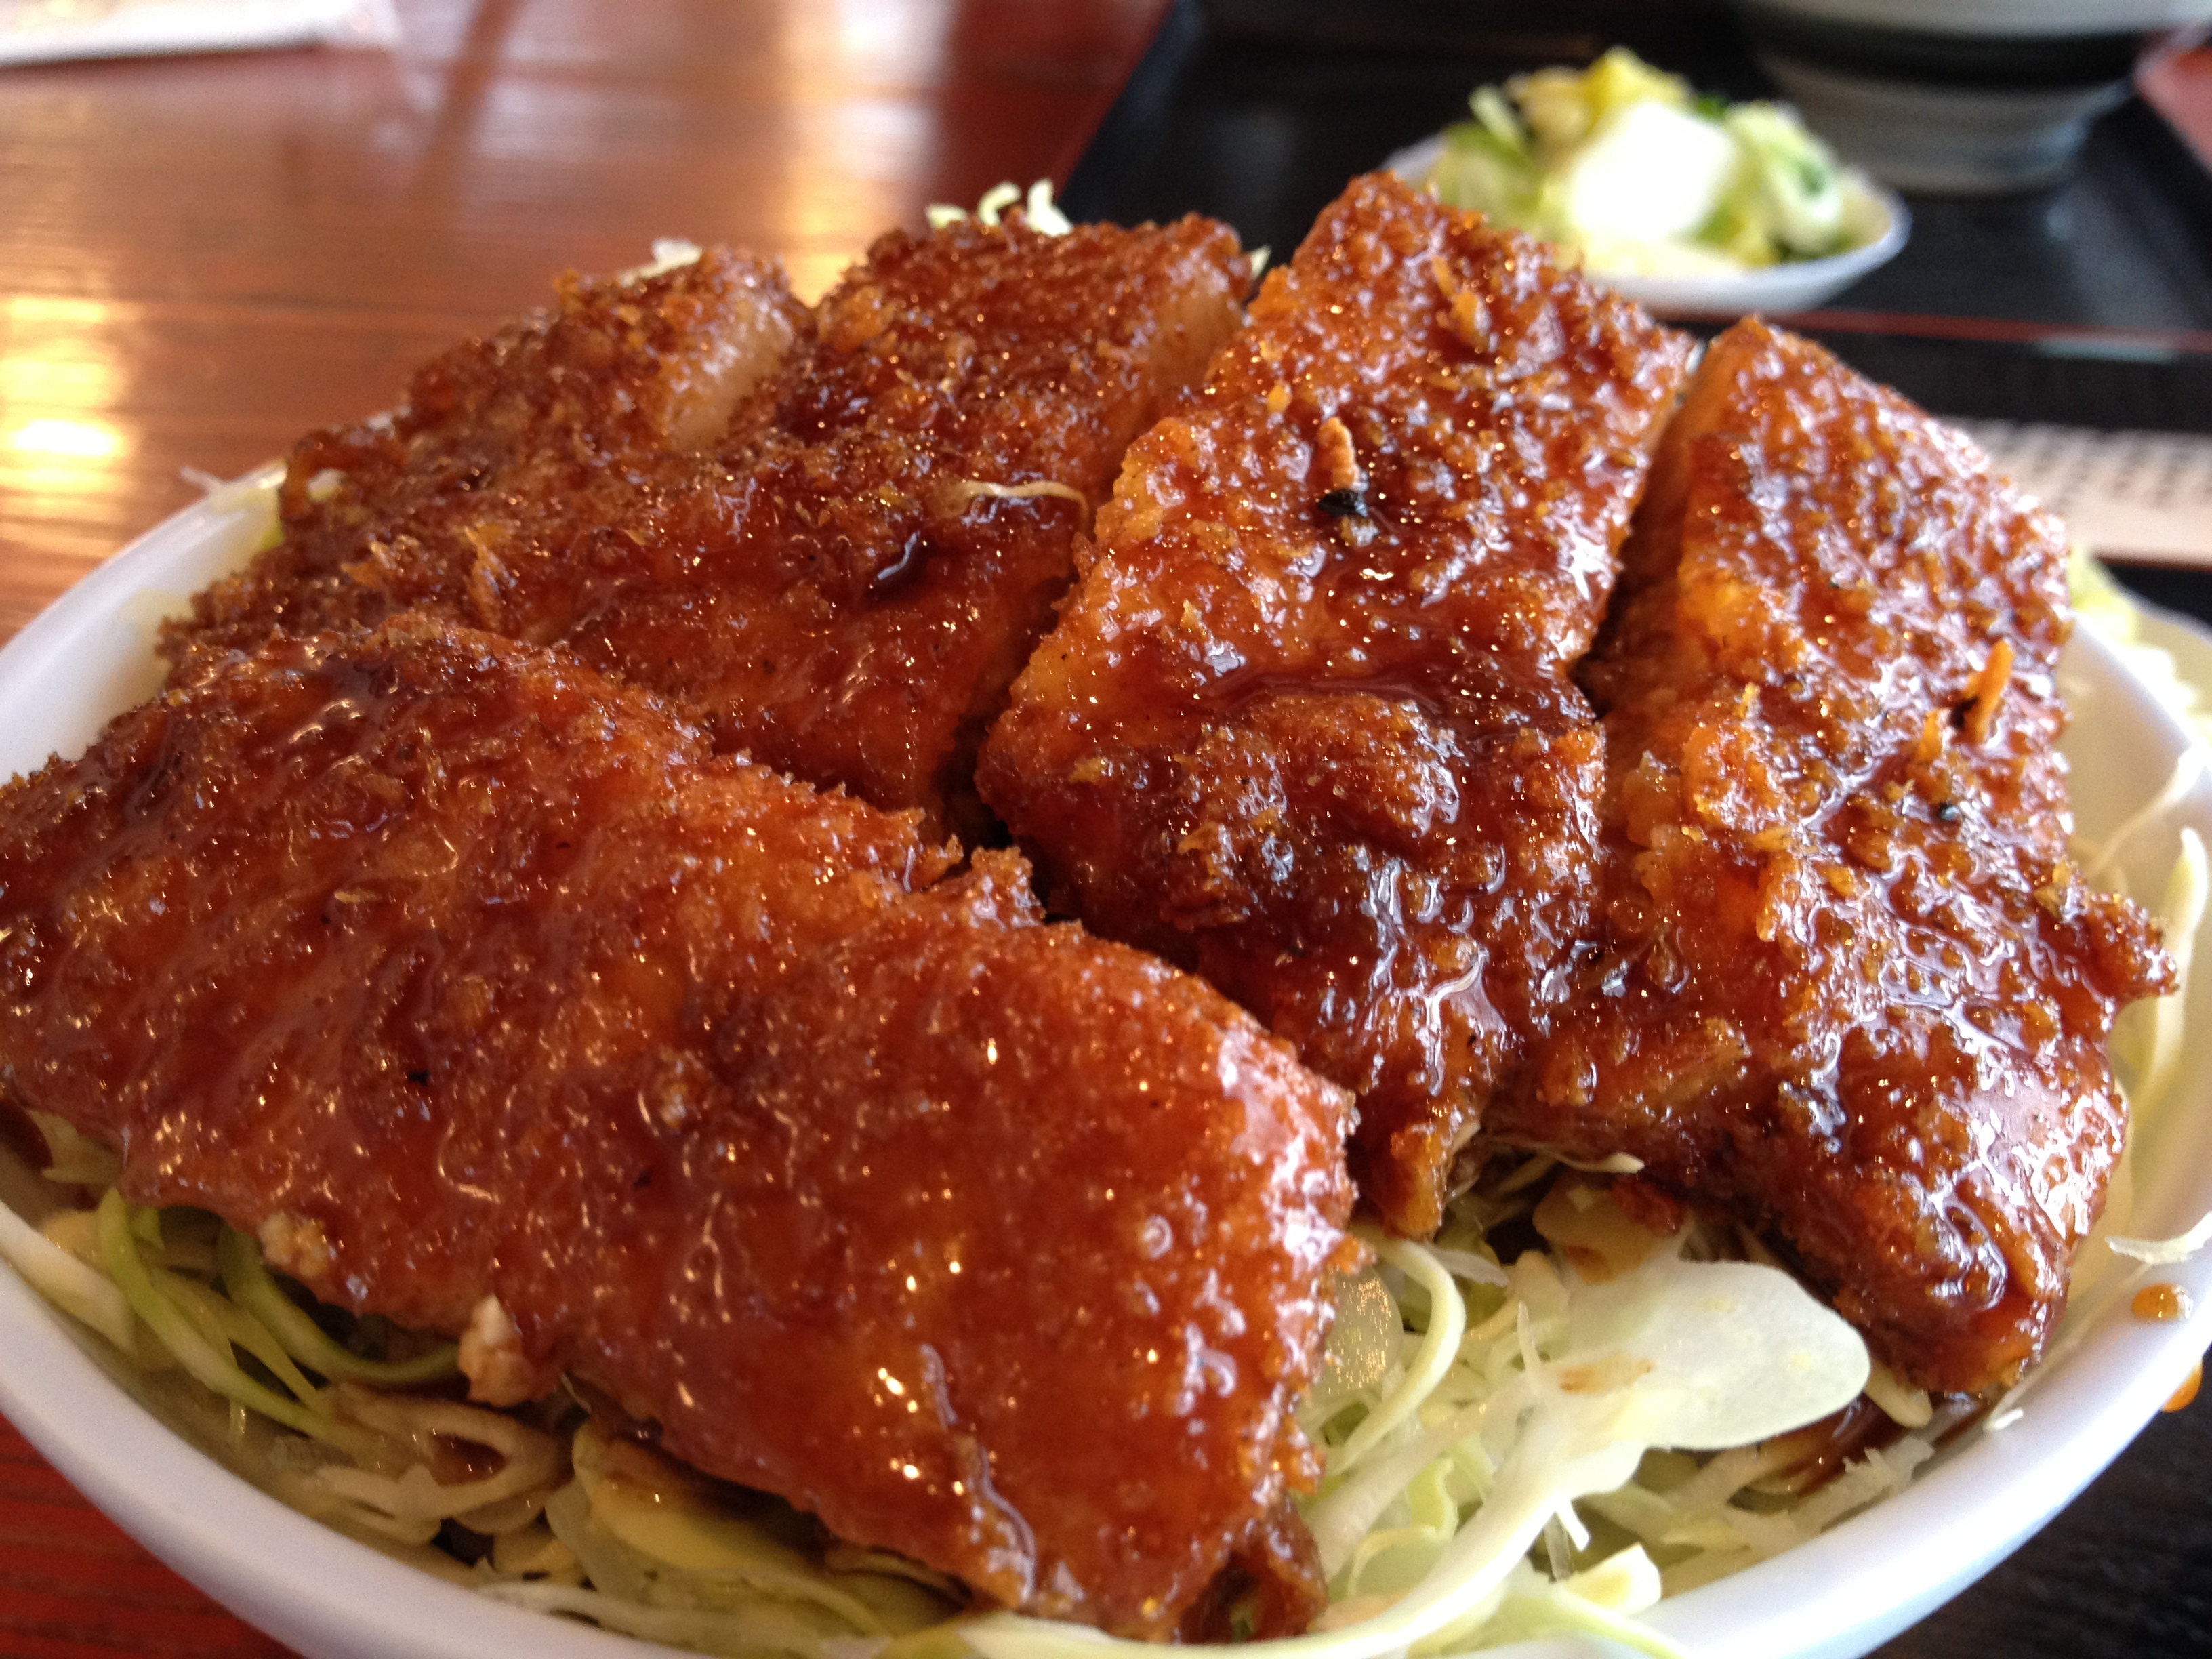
(201,257)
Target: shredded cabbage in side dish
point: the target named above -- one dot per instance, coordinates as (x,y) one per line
(1543,1420)
(1645,178)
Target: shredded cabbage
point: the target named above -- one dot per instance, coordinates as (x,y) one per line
(199,1329)
(2182,913)
(2165,1252)
(1627,165)
(83,1293)
(1039,210)
(248,1282)
(1427,1542)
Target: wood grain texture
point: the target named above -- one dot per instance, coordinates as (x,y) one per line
(72,1585)
(203,256)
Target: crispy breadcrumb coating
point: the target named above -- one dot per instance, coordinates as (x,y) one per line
(466,975)
(1851,989)
(1306,723)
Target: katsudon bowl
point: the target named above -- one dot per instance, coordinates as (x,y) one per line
(2138,788)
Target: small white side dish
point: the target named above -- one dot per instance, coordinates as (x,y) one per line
(1880,222)
(90,655)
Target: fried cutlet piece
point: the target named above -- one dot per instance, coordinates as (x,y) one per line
(1853,991)
(456,972)
(491,494)
(845,586)
(1306,723)
(916,477)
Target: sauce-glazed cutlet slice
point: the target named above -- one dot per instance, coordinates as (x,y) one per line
(913,482)
(456,972)
(491,494)
(1306,723)
(1855,993)
(845,586)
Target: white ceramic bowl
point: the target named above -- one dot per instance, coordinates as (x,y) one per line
(89,656)
(1795,285)
(1961,97)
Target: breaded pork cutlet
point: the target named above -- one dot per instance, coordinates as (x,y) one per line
(1852,990)
(845,586)
(503,483)
(456,974)
(913,479)
(1306,723)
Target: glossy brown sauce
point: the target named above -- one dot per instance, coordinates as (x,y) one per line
(1305,723)
(454,971)
(2160,1303)
(829,575)
(496,494)
(1850,986)
(986,1241)
(2186,1394)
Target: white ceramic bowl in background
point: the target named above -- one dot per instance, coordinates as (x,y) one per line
(89,656)
(1961,97)
(1794,285)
